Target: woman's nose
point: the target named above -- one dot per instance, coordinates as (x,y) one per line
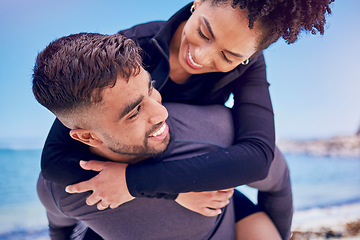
(204,55)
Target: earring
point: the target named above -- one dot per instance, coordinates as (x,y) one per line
(246,62)
(192,9)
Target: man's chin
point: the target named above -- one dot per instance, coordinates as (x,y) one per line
(136,155)
(159,150)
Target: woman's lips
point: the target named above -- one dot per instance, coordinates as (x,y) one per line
(190,61)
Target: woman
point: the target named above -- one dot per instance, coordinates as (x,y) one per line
(206,51)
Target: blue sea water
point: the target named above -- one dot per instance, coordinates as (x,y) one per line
(321,181)
(316,181)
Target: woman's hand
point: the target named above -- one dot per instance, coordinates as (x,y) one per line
(109,186)
(206,203)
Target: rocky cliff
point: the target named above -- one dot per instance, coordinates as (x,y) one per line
(345,146)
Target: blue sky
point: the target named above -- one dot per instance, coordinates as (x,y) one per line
(314,83)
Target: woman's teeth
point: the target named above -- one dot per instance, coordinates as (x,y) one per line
(160,131)
(192,61)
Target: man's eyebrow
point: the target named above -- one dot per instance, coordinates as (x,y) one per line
(150,82)
(208,26)
(128,108)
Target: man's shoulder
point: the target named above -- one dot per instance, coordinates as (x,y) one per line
(196,130)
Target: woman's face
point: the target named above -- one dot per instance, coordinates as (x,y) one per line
(216,39)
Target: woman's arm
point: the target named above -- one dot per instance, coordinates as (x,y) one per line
(61,156)
(248,160)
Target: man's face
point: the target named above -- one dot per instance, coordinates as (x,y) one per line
(132,119)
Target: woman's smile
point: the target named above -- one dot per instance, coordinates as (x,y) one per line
(214,39)
(191,61)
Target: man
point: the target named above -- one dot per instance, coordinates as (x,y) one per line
(96,86)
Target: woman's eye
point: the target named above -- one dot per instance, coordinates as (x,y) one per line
(136,112)
(202,35)
(226,59)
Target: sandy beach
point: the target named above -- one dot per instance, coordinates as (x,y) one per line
(339,222)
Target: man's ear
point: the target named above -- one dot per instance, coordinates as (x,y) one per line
(86,136)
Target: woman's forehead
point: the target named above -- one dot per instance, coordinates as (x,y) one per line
(230,28)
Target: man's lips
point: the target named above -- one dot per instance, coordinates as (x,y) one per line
(191,61)
(161,133)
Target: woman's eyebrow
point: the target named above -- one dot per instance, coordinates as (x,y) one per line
(208,26)
(235,54)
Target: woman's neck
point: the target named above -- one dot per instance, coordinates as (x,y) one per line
(177,72)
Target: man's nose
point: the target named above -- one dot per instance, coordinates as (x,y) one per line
(158,113)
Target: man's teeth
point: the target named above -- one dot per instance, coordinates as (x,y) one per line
(160,131)
(194,63)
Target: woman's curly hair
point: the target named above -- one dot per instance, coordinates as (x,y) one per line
(283,18)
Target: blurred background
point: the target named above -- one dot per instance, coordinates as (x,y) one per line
(314,87)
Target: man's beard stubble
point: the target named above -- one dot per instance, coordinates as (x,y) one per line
(139,151)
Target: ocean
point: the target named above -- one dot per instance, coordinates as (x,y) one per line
(21,213)
(317,182)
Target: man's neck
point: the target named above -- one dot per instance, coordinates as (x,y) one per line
(117,157)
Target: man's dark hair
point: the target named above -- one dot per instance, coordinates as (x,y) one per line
(283,18)
(72,71)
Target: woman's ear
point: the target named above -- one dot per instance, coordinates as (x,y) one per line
(196,3)
(86,136)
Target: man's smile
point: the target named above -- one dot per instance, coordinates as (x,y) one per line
(161,133)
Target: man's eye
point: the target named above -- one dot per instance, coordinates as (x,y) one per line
(137,111)
(202,35)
